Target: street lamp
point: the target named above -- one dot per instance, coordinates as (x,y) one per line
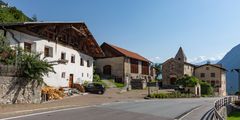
(238,71)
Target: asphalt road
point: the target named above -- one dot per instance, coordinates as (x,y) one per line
(165,109)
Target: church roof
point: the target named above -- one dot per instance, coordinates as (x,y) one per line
(181,54)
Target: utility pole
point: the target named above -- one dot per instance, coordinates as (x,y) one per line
(238,71)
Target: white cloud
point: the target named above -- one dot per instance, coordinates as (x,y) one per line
(200,59)
(155,59)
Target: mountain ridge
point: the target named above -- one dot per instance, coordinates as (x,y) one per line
(232,61)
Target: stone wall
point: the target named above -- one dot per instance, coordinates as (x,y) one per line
(172,69)
(116,64)
(17,90)
(138,83)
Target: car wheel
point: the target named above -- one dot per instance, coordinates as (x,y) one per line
(100,92)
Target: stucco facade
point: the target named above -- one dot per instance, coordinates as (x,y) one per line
(63,71)
(215,76)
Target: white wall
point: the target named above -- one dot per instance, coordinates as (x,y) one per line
(55,79)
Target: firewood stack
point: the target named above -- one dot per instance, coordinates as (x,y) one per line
(52,93)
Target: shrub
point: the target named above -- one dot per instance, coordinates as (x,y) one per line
(169,95)
(33,68)
(30,64)
(206,88)
(237,102)
(187,81)
(96,78)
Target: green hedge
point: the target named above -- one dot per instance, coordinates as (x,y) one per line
(170,95)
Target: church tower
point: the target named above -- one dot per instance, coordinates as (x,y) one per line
(181,56)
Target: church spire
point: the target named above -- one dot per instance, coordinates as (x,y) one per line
(181,56)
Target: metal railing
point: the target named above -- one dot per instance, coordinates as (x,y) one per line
(219,104)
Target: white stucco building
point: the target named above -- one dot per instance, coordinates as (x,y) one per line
(71,44)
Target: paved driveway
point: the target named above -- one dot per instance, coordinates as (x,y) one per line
(166,109)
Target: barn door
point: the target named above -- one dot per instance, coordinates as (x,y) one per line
(107,70)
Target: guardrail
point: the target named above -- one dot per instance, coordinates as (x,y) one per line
(219,104)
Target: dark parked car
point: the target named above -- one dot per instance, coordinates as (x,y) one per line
(95,88)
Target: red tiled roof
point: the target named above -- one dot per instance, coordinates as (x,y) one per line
(129,53)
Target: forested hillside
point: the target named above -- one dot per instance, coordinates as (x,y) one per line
(11,14)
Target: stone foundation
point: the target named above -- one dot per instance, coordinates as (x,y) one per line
(17,90)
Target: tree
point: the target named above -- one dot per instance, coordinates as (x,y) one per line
(30,64)
(206,88)
(33,68)
(158,68)
(12,14)
(7,54)
(34,18)
(188,81)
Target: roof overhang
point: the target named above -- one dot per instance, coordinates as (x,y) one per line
(74,34)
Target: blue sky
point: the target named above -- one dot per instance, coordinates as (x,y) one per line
(206,29)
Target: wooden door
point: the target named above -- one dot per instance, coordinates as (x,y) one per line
(70,82)
(107,70)
(173,81)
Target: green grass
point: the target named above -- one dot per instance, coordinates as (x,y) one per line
(234,116)
(104,84)
(119,85)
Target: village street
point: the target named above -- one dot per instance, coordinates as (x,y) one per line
(111,105)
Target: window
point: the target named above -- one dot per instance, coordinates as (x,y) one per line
(145,68)
(81,62)
(27,47)
(63,56)
(212,74)
(134,65)
(63,74)
(207,68)
(48,51)
(88,63)
(73,59)
(202,74)
(87,75)
(82,75)
(212,83)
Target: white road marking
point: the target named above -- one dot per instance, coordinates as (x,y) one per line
(59,107)
(41,113)
(188,113)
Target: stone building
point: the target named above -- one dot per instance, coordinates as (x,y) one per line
(215,75)
(123,65)
(175,68)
